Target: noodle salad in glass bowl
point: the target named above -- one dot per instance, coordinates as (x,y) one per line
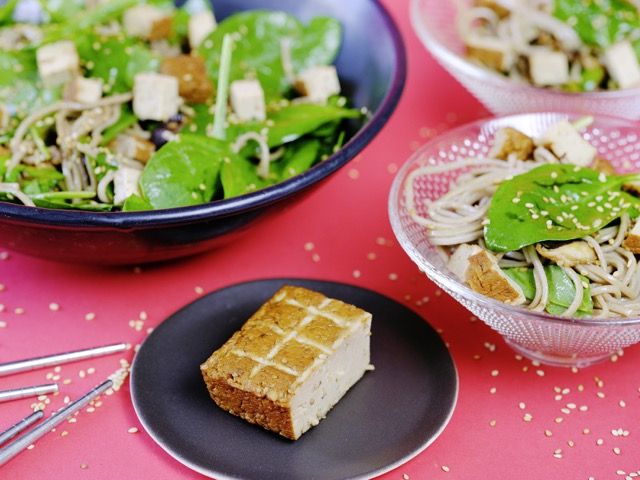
(530,222)
(537,55)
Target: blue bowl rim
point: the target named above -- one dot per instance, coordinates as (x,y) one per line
(244,203)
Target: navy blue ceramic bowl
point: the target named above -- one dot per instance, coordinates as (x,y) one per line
(372,66)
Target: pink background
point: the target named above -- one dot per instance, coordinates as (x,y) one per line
(340,232)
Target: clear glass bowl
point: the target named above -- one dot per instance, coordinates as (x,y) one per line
(435,23)
(549,339)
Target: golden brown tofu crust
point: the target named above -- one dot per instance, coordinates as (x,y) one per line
(509,141)
(191,72)
(632,243)
(161,29)
(134,147)
(484,277)
(491,58)
(254,375)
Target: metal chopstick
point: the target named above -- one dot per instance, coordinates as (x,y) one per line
(50,360)
(22,425)
(14,448)
(25,392)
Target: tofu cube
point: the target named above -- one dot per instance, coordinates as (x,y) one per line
(155,96)
(492,52)
(570,254)
(459,261)
(58,63)
(191,72)
(509,141)
(485,276)
(318,83)
(125,183)
(133,146)
(83,90)
(568,145)
(548,68)
(201,25)
(147,22)
(247,100)
(622,64)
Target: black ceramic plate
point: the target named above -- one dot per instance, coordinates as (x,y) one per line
(388,417)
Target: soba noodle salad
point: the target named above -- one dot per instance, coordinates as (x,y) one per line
(540,222)
(133,105)
(570,45)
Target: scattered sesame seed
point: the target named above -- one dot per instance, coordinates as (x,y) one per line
(133,430)
(540,373)
(492,390)
(599,442)
(622,403)
(445,468)
(548,433)
(492,423)
(527,417)
(522,405)
(84,466)
(3,324)
(494,373)
(54,307)
(586,431)
(18,310)
(357,274)
(199,290)
(558,420)
(616,450)
(600,394)
(64,433)
(405,476)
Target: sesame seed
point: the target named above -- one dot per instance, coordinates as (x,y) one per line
(586,431)
(566,411)
(521,405)
(527,417)
(494,373)
(18,310)
(622,403)
(616,450)
(132,430)
(405,476)
(84,466)
(548,433)
(54,307)
(492,423)
(309,246)
(599,442)
(199,290)
(445,468)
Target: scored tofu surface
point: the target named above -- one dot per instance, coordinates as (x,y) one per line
(262,370)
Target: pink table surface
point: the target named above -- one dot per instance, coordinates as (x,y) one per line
(512,420)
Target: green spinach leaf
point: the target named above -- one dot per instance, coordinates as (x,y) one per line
(136,203)
(562,291)
(599,22)
(257,48)
(300,158)
(555,202)
(240,176)
(184,172)
(293,121)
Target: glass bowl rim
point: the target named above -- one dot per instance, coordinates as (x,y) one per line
(461,132)
(471,69)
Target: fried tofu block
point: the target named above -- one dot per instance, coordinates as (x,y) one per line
(459,261)
(83,90)
(509,141)
(622,64)
(291,362)
(570,254)
(548,68)
(568,145)
(58,63)
(632,242)
(195,86)
(201,25)
(485,276)
(155,96)
(491,52)
(133,146)
(147,22)
(318,83)
(247,100)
